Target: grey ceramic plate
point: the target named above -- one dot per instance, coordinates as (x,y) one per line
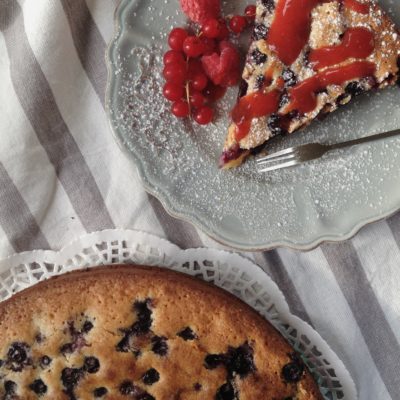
(326,200)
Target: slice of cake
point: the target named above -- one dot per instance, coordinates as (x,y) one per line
(129,332)
(306,59)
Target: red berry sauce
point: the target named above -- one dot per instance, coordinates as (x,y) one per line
(303,95)
(361,8)
(287,37)
(253,105)
(357,43)
(290,29)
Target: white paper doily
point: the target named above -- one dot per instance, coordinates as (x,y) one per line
(227,270)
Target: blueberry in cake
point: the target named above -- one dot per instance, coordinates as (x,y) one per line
(306,59)
(129,332)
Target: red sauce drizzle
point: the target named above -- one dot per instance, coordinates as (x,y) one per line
(357,6)
(290,29)
(303,96)
(288,35)
(253,105)
(357,43)
(268,76)
(280,83)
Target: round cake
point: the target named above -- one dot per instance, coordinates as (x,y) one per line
(143,333)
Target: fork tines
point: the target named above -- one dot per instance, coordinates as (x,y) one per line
(281,159)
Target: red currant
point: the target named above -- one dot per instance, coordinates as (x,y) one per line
(199,81)
(250,12)
(176,38)
(172,91)
(175,73)
(214,92)
(210,46)
(203,115)
(180,109)
(197,100)
(193,46)
(237,23)
(223,31)
(173,57)
(194,67)
(211,28)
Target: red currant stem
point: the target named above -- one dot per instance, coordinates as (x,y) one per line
(188,98)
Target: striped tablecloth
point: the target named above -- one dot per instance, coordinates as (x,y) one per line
(62,175)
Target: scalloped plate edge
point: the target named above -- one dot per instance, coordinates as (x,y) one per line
(194,219)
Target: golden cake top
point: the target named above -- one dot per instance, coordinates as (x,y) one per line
(129,332)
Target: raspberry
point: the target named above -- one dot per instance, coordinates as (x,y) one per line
(223,69)
(201,10)
(231,79)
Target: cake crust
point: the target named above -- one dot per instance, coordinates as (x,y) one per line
(145,333)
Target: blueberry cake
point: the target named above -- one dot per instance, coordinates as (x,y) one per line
(129,332)
(306,59)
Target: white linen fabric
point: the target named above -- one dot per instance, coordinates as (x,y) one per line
(62,175)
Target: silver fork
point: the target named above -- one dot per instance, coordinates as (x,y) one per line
(306,152)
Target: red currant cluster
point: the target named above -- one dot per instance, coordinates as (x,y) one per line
(238,23)
(214,28)
(198,68)
(187,85)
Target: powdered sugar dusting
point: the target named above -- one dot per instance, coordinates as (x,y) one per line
(179,158)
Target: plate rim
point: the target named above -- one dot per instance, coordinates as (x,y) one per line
(162,196)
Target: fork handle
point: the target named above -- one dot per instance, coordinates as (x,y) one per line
(366,139)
